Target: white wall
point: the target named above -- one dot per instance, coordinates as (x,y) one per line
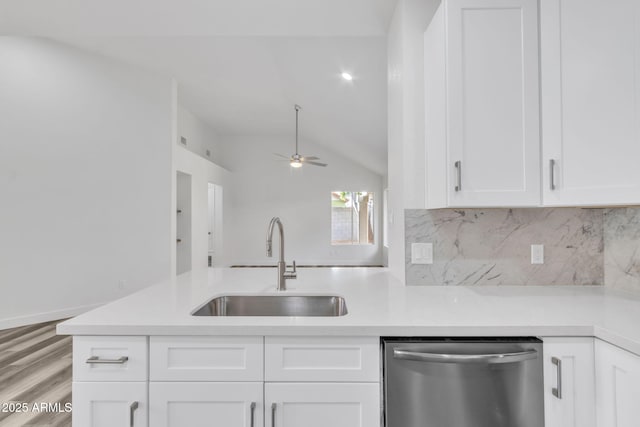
(85,161)
(202,172)
(200,137)
(405,99)
(264,187)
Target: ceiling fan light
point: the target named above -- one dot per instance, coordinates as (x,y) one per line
(296,163)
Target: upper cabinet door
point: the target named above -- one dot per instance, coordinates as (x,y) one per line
(590,53)
(489,139)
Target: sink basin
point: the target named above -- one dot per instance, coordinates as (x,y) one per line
(274,305)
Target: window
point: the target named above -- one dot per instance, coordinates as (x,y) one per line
(351,218)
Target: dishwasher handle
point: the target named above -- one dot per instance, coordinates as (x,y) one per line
(491,358)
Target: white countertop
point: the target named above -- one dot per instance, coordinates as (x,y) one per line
(377,304)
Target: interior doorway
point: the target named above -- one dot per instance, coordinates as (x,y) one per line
(183,222)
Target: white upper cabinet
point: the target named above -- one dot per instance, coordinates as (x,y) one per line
(482,104)
(590,70)
(484,92)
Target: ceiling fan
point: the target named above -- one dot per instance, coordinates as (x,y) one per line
(297,160)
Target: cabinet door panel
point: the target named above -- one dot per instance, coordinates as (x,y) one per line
(493,113)
(178,404)
(590,84)
(129,356)
(618,386)
(109,404)
(321,405)
(575,406)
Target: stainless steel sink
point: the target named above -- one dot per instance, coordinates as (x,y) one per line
(274,305)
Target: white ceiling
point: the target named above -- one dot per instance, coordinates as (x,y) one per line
(241,65)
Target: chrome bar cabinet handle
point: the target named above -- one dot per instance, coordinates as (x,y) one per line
(491,358)
(458,166)
(253,410)
(273,414)
(552,175)
(95,360)
(132,410)
(557,391)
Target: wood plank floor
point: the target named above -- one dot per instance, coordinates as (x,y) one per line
(35,369)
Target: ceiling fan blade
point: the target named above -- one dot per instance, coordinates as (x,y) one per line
(311,158)
(316,163)
(281,155)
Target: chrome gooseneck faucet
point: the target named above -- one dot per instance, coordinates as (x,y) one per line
(283,274)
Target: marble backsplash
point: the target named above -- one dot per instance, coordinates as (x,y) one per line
(622,248)
(493,246)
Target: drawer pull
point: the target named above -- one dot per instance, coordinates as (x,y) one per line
(273,414)
(95,360)
(557,391)
(458,166)
(253,410)
(132,410)
(552,176)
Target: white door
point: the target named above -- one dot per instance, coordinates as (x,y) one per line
(590,70)
(618,386)
(181,404)
(493,103)
(322,404)
(110,404)
(569,382)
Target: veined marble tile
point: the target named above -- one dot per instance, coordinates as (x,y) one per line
(493,246)
(622,244)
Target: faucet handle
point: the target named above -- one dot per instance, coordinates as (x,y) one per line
(291,274)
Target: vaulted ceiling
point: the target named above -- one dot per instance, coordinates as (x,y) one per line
(241,65)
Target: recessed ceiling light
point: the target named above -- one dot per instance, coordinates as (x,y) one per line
(347,76)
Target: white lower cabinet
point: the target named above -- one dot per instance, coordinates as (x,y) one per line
(180,404)
(618,391)
(110,381)
(322,404)
(110,404)
(569,382)
(234,381)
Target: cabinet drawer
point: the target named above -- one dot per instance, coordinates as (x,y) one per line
(206,358)
(325,359)
(107,358)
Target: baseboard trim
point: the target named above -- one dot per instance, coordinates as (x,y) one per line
(48,316)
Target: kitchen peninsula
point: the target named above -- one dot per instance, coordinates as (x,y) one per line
(264,362)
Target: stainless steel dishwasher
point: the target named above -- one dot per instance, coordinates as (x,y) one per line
(463,382)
